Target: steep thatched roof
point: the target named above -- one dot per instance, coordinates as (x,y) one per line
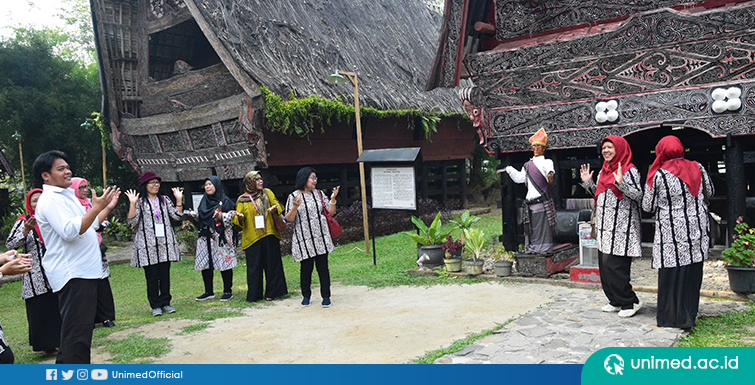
(291,46)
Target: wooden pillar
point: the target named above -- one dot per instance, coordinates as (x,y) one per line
(556,187)
(188,200)
(508,208)
(735,182)
(425,173)
(345,200)
(444,181)
(463,183)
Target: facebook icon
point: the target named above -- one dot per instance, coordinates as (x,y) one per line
(51,375)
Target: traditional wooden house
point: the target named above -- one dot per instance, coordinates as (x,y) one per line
(587,69)
(185,87)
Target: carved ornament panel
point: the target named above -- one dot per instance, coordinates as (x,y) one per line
(516,18)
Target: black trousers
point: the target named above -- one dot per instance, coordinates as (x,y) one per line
(105,304)
(7,357)
(265,256)
(307,265)
(227,276)
(78,303)
(614,277)
(679,295)
(158,284)
(43,317)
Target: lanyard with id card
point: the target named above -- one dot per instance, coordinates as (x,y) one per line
(259,220)
(159,230)
(159,227)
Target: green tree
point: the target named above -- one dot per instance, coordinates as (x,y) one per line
(46,97)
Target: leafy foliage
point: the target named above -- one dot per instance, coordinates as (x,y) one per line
(741,253)
(499,253)
(303,116)
(428,236)
(187,235)
(475,242)
(451,248)
(465,221)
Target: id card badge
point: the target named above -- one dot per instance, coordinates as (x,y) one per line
(159,230)
(259,222)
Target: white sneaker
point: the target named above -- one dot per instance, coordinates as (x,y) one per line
(610,308)
(626,313)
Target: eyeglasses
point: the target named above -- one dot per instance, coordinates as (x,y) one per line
(258,179)
(83,187)
(314,178)
(154,183)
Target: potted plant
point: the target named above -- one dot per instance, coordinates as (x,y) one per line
(465,221)
(740,259)
(112,229)
(452,253)
(126,232)
(503,261)
(430,240)
(474,245)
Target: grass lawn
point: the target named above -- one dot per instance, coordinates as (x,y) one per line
(348,265)
(735,329)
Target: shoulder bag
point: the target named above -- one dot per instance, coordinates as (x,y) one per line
(333,226)
(280,223)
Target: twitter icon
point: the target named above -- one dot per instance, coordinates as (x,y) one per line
(67,374)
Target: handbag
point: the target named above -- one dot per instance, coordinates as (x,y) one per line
(280,224)
(333,226)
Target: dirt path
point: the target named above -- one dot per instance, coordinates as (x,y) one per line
(364,326)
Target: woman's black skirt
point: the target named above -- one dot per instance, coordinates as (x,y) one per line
(43,315)
(679,295)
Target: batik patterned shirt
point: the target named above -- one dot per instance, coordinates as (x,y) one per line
(682,227)
(148,249)
(618,221)
(35,281)
(311,233)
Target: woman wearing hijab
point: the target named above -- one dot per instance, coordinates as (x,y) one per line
(155,245)
(260,239)
(216,249)
(42,312)
(618,195)
(311,241)
(105,306)
(678,191)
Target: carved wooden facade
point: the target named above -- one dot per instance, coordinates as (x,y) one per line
(181,81)
(558,64)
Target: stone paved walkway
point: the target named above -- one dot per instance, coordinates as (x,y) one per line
(572,327)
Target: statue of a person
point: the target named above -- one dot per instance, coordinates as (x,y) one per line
(540,212)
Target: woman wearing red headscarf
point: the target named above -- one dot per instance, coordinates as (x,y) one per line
(105,305)
(618,195)
(678,191)
(41,303)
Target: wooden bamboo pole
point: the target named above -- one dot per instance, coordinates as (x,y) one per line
(353,79)
(23,176)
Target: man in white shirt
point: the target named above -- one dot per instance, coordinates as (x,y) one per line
(72,261)
(537,174)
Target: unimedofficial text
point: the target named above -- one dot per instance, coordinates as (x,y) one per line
(147,374)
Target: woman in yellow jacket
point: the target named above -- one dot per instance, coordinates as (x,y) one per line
(260,240)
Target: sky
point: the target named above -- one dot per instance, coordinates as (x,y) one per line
(39,13)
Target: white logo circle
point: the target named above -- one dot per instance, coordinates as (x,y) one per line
(614,364)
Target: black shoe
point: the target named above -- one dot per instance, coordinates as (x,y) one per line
(205,296)
(108,323)
(226,297)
